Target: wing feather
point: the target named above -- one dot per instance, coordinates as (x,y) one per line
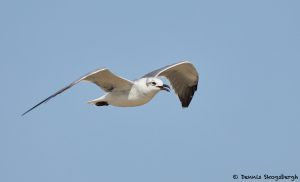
(104,78)
(107,81)
(183,77)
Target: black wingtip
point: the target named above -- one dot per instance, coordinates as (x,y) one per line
(34,107)
(24,113)
(50,97)
(188,96)
(30,110)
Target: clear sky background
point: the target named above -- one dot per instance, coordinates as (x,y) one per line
(244,118)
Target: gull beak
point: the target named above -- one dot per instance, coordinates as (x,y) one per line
(164,87)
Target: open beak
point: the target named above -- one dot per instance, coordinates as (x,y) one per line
(164,87)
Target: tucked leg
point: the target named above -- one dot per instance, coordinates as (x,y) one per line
(102,103)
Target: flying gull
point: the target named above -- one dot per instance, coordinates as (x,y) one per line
(122,92)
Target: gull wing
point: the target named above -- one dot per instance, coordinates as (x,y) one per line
(104,78)
(183,77)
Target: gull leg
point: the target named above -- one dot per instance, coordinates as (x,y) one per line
(101,103)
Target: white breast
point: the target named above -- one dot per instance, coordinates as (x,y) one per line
(135,97)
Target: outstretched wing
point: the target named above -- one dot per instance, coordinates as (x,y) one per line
(183,77)
(104,78)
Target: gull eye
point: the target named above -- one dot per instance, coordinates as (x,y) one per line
(153,83)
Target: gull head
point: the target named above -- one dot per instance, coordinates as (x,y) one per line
(157,84)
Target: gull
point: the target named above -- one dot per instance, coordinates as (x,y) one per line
(122,92)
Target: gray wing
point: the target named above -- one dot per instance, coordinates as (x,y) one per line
(104,78)
(183,77)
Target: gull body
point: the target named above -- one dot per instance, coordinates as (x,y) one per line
(138,94)
(122,92)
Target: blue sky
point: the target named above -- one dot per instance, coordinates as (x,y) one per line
(244,118)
